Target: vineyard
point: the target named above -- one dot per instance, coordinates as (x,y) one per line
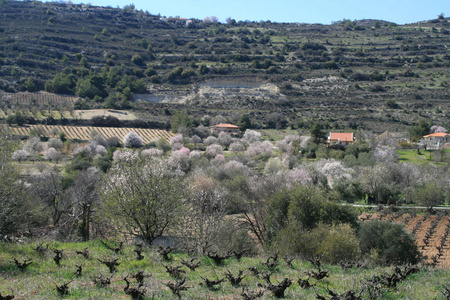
(84,133)
(39,98)
(432,233)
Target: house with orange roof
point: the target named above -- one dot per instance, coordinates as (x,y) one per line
(436,140)
(341,138)
(227,128)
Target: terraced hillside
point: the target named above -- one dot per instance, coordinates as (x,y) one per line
(368,73)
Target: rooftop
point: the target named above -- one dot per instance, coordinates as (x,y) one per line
(342,136)
(437,134)
(226,126)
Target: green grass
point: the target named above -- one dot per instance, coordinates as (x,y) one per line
(277,134)
(411,155)
(40,279)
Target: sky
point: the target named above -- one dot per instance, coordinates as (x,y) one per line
(300,11)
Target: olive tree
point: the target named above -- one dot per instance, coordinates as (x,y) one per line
(143,196)
(429,194)
(392,242)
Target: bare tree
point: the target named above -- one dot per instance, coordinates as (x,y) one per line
(207,206)
(85,195)
(48,188)
(143,196)
(15,209)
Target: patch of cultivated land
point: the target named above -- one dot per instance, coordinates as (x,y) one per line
(90,113)
(40,279)
(84,133)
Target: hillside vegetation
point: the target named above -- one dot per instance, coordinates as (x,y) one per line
(369,74)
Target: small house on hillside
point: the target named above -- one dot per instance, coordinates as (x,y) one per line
(341,138)
(227,128)
(436,140)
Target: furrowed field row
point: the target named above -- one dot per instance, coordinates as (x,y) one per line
(84,132)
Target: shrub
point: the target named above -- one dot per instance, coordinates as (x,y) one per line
(305,207)
(334,243)
(391,240)
(137,59)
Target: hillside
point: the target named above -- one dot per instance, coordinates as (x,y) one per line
(281,74)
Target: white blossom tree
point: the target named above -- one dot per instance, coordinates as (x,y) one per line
(436,128)
(53,155)
(55,143)
(237,147)
(213,150)
(225,139)
(274,165)
(33,146)
(195,154)
(195,139)
(297,176)
(260,148)
(180,160)
(210,140)
(251,136)
(385,154)
(234,168)
(176,142)
(20,155)
(15,211)
(152,152)
(133,140)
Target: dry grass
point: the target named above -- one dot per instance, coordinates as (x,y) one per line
(89,114)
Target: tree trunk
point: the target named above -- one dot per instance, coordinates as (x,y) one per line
(85,228)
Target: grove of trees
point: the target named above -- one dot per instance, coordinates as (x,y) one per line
(238,192)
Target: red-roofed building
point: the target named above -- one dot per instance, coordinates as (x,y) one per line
(227,128)
(436,140)
(341,138)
